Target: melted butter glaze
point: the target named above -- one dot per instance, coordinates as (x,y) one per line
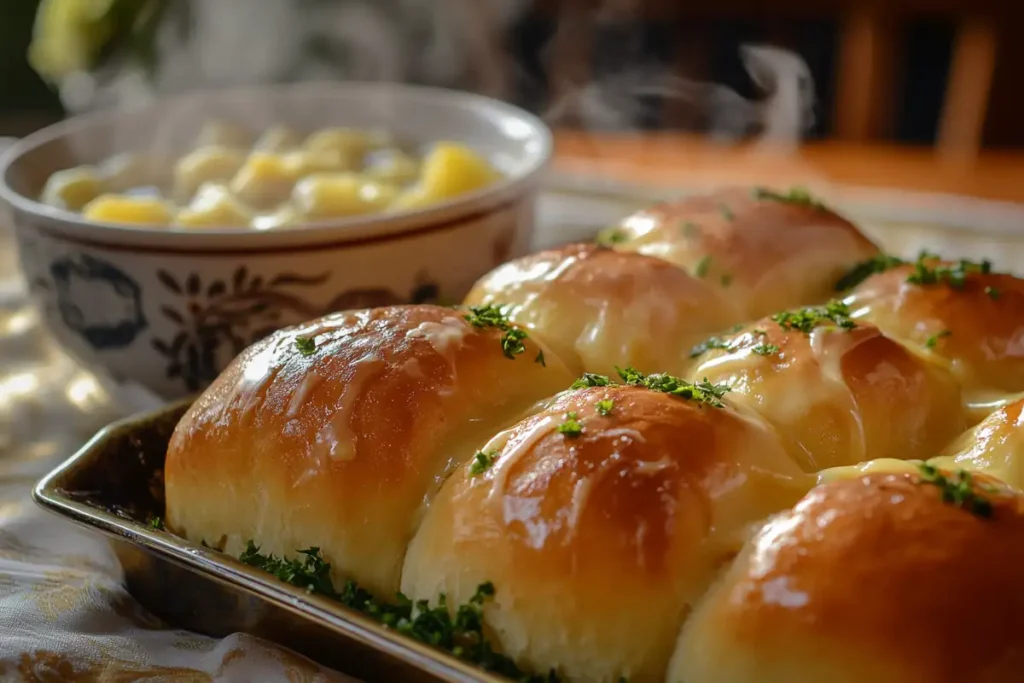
(834,395)
(608,308)
(985,344)
(994,447)
(766,255)
(342,447)
(554,491)
(782,615)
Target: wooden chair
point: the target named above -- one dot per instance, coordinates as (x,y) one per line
(866,63)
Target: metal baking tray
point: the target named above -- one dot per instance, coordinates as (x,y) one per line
(114,484)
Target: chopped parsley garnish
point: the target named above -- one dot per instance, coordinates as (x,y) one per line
(571,427)
(305,345)
(604,407)
(702,267)
(709,344)
(610,236)
(806,319)
(482,462)
(726,280)
(690,229)
(312,572)
(763,349)
(540,359)
(590,379)
(796,195)
(703,392)
(493,316)
(957,489)
(726,212)
(934,339)
(865,269)
(156,523)
(929,271)
(993,293)
(461,635)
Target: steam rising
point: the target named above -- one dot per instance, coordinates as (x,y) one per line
(452,43)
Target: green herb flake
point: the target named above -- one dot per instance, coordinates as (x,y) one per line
(766,349)
(709,344)
(572,427)
(993,293)
(934,339)
(610,236)
(726,212)
(705,393)
(540,359)
(726,280)
(156,523)
(806,319)
(797,196)
(702,267)
(590,379)
(482,462)
(957,490)
(305,345)
(463,635)
(690,229)
(604,407)
(865,269)
(493,316)
(928,270)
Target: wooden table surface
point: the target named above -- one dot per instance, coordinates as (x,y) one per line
(663,159)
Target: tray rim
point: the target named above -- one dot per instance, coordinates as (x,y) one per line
(227,570)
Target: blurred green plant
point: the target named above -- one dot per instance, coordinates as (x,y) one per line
(71,36)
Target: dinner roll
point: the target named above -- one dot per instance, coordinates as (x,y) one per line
(336,433)
(766,250)
(838,392)
(959,313)
(995,447)
(870,579)
(610,308)
(599,521)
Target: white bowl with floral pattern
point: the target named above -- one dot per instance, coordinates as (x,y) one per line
(168,309)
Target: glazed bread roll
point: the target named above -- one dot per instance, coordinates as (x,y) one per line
(874,579)
(765,250)
(600,520)
(608,307)
(995,447)
(838,392)
(337,433)
(959,313)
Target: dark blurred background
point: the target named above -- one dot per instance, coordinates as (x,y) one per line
(882,71)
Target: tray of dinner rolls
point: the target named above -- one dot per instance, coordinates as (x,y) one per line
(730,440)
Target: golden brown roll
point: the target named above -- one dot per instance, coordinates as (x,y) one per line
(336,433)
(599,521)
(958,313)
(765,250)
(994,447)
(870,579)
(836,396)
(610,308)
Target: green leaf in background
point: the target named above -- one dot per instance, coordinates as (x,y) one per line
(71,36)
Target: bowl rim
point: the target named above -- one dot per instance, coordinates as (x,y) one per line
(459,209)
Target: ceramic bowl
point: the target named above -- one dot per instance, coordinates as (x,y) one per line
(168,309)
